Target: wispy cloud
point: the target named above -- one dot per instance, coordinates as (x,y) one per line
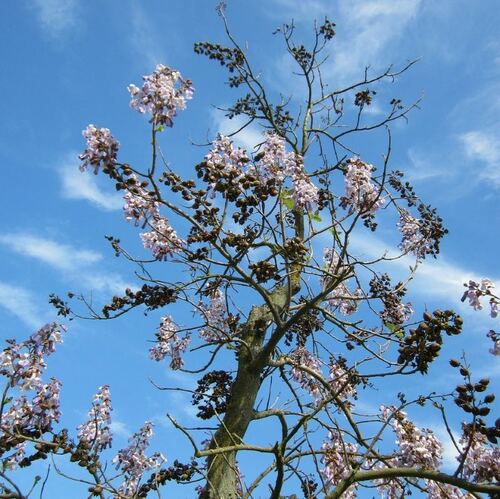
(144,39)
(56,16)
(248,138)
(21,303)
(57,255)
(76,265)
(368,28)
(484,148)
(78,185)
(434,278)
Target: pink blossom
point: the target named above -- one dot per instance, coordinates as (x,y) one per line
(417,447)
(361,194)
(169,343)
(302,357)
(340,298)
(162,94)
(275,161)
(101,149)
(133,462)
(96,431)
(339,380)
(495,338)
(139,203)
(162,240)
(482,463)
(475,291)
(337,459)
(216,327)
(413,241)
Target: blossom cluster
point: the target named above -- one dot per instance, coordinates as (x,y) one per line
(133,462)
(417,447)
(162,94)
(476,290)
(162,240)
(340,380)
(23,365)
(340,298)
(413,241)
(169,343)
(302,357)
(277,163)
(337,458)
(216,327)
(495,338)
(361,193)
(139,202)
(101,149)
(96,431)
(482,463)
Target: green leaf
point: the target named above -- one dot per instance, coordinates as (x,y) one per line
(396,329)
(315,217)
(160,128)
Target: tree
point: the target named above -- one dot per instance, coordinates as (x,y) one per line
(260,248)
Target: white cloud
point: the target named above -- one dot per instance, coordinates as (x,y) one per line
(83,185)
(77,265)
(485,148)
(368,28)
(57,255)
(144,39)
(21,303)
(248,138)
(56,16)
(434,278)
(120,428)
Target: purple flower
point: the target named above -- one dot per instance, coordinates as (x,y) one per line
(101,149)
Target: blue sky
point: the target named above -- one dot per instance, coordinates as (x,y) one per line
(67,63)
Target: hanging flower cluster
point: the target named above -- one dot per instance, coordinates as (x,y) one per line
(340,298)
(169,343)
(495,338)
(361,194)
(417,447)
(337,458)
(23,365)
(133,462)
(162,94)
(216,327)
(96,431)
(162,240)
(340,379)
(139,202)
(482,463)
(302,357)
(101,149)
(414,241)
(476,290)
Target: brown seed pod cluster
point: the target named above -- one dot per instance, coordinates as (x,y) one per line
(423,344)
(152,297)
(212,394)
(264,271)
(179,472)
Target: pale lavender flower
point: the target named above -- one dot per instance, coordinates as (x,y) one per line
(495,338)
(12,462)
(133,462)
(216,327)
(96,431)
(101,149)
(482,463)
(305,193)
(340,298)
(275,162)
(339,380)
(302,357)
(337,458)
(162,240)
(169,343)
(46,404)
(139,203)
(162,94)
(417,447)
(361,194)
(413,240)
(476,290)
